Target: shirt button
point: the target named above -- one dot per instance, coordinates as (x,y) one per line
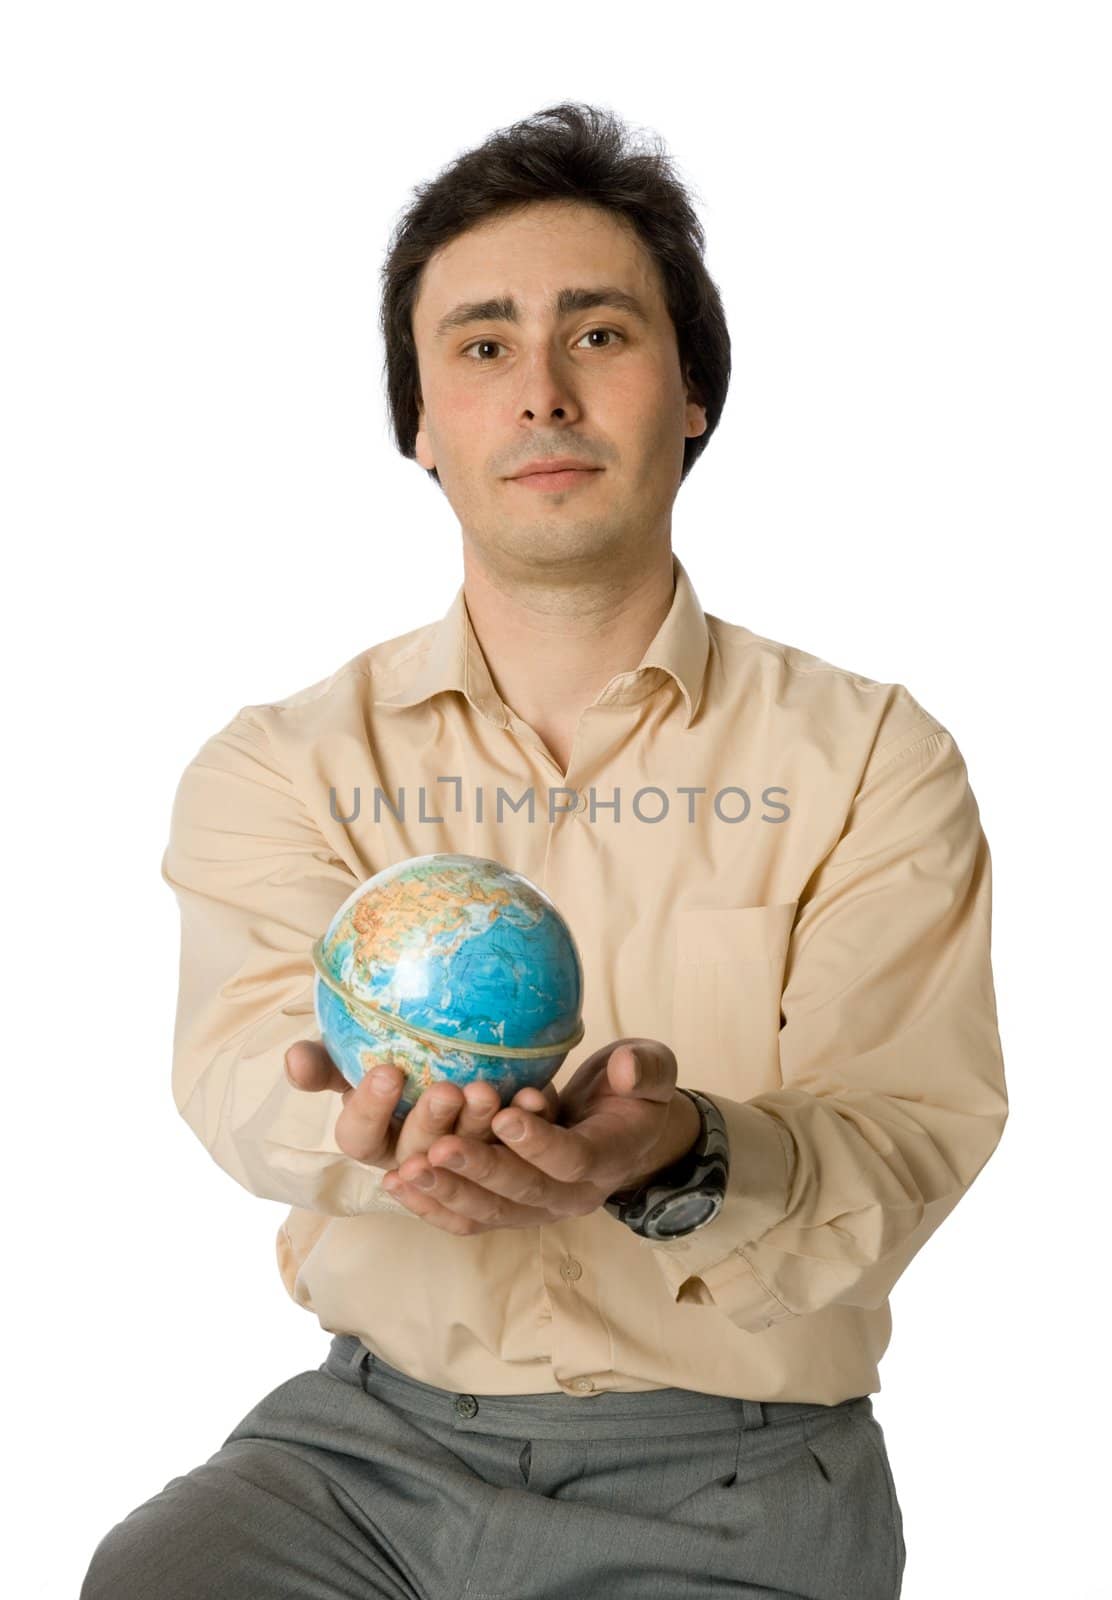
(570,1270)
(582,1385)
(580,804)
(466,1405)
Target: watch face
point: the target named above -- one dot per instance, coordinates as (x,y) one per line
(680,1215)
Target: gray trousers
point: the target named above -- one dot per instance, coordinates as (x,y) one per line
(352,1481)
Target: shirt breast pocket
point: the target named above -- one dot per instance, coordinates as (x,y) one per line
(727,986)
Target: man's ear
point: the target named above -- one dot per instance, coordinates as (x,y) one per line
(695,402)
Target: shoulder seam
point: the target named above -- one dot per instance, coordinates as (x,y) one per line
(814,664)
(357,665)
(937,732)
(926,722)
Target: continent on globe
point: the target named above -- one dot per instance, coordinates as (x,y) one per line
(451,968)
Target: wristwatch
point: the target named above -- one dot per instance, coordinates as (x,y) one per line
(686,1195)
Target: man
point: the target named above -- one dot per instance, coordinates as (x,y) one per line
(631,1352)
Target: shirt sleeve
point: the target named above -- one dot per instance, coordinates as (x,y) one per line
(893,1093)
(256,885)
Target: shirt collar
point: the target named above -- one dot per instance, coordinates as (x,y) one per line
(449,657)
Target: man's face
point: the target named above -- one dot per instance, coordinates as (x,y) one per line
(600,383)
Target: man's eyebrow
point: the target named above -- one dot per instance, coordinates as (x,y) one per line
(504,307)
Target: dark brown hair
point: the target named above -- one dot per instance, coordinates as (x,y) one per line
(569,151)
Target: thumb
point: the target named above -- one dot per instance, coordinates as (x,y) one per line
(625,1068)
(309,1066)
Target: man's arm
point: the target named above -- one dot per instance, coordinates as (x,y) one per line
(894,1095)
(256,884)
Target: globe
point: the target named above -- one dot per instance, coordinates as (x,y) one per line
(452,968)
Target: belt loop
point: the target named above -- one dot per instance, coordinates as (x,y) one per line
(752,1414)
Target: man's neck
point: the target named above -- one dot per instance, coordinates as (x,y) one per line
(552,650)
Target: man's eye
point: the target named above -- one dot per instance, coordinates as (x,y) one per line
(613,332)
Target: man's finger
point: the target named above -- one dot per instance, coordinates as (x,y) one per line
(309,1066)
(545,1176)
(466,1208)
(544,1102)
(624,1068)
(644,1067)
(571,1155)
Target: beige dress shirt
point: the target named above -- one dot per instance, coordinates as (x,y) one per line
(773,864)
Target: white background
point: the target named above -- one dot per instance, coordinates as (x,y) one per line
(907,215)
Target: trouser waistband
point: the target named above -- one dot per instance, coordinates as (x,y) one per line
(560,1416)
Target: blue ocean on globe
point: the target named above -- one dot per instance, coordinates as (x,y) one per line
(451,968)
